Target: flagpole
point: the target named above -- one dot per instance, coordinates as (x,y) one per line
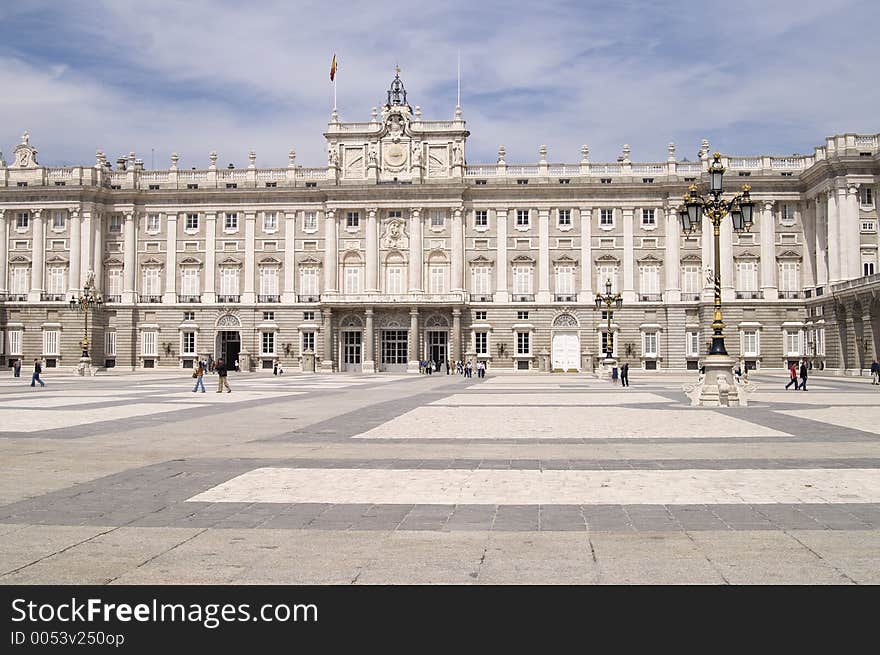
(458,98)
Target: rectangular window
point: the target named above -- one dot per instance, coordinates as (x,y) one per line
(650,344)
(787,213)
(20,282)
(192,222)
(189,316)
(747,276)
(308,316)
(522,217)
(438,217)
(692,344)
(792,342)
(788,276)
(14,342)
(750,343)
(866,196)
(114,282)
(522,316)
(115,224)
(268,316)
(481,218)
(308,341)
(565,280)
(230,223)
(310,221)
(481,343)
(648,218)
(270,221)
(268,343)
(189,282)
(268,281)
(352,219)
(867,268)
(149,343)
(522,343)
(189,344)
(50,342)
(153,224)
(22,220)
(229,281)
(606,272)
(649,280)
(58,220)
(308,281)
(480,315)
(352,279)
(437,277)
(394,279)
(869,226)
(395,213)
(564,217)
(522,280)
(57,280)
(481,278)
(606,217)
(110,343)
(690,280)
(152,282)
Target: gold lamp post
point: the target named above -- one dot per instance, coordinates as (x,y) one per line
(84,302)
(716,208)
(608,300)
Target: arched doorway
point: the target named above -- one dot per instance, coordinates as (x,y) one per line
(566,344)
(351,338)
(437,340)
(227,343)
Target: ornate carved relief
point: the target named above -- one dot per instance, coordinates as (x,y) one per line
(394,235)
(565,320)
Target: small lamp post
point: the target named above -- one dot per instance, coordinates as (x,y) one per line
(608,300)
(83,302)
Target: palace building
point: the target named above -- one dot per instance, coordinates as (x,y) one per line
(399,250)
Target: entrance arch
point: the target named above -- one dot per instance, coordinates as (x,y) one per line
(227,341)
(565,344)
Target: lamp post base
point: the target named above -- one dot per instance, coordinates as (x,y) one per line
(605,367)
(85,368)
(717,386)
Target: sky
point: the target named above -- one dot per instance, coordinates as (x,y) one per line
(752,76)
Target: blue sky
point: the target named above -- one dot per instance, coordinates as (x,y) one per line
(754,77)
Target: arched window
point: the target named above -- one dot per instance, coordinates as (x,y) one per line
(438,273)
(352,273)
(395,273)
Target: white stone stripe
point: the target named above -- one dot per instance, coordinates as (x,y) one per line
(534,487)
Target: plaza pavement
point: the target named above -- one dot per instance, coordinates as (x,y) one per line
(131,478)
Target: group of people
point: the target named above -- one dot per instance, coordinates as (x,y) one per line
(623,374)
(218,367)
(35,376)
(466,369)
(793,373)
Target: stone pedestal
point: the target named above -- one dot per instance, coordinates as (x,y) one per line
(85,368)
(244,361)
(717,386)
(544,361)
(368,366)
(604,370)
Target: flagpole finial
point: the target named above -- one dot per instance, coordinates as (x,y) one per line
(397,69)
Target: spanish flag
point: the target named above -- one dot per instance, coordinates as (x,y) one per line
(333,68)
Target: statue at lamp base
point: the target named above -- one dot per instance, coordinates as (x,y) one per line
(606,368)
(717,385)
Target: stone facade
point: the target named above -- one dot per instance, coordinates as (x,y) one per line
(399,251)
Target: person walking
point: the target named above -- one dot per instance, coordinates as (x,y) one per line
(16,368)
(875,372)
(198,374)
(36,376)
(275,367)
(624,374)
(803,375)
(792,371)
(448,367)
(220,368)
(481,370)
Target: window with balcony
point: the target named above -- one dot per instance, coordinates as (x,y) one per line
(394,276)
(269,284)
(151,289)
(481,282)
(522,282)
(789,284)
(189,285)
(19,283)
(56,282)
(649,283)
(690,281)
(352,277)
(230,289)
(114,284)
(747,280)
(605,272)
(565,284)
(437,278)
(308,284)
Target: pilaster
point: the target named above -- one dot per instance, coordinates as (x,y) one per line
(673,256)
(728,281)
(129,248)
(288,293)
(38,253)
(249,295)
(586,226)
(330,251)
(502,293)
(74,283)
(209,295)
(544,295)
(768,252)
(416,251)
(629,288)
(170,295)
(457,250)
(4,250)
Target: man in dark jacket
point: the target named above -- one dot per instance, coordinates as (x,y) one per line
(36,376)
(803,375)
(220,369)
(875,372)
(624,374)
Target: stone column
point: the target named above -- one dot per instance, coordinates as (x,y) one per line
(372,242)
(502,293)
(707,242)
(821,242)
(834,245)
(850,225)
(87,247)
(673,255)
(544,294)
(807,217)
(38,254)
(455,337)
(416,251)
(209,294)
(250,294)
(368,364)
(457,250)
(170,295)
(4,251)
(768,252)
(288,295)
(327,358)
(73,271)
(330,251)
(629,264)
(98,255)
(728,282)
(586,224)
(413,364)
(129,247)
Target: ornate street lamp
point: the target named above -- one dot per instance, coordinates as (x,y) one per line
(608,300)
(718,386)
(83,302)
